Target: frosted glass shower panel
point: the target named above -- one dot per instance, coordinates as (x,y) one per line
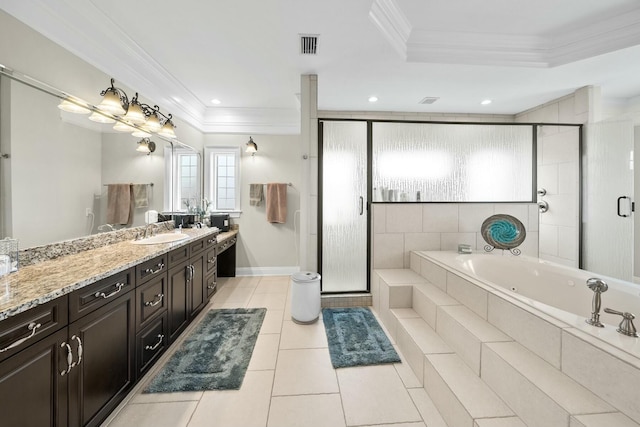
(344,206)
(452,162)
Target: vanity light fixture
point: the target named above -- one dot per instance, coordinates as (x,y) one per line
(131,116)
(252,147)
(114,100)
(145,145)
(373,99)
(73,107)
(485,102)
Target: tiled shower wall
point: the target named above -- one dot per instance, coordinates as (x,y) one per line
(399,228)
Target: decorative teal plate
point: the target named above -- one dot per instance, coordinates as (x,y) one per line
(503,231)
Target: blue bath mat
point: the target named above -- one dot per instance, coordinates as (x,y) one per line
(356,338)
(215,355)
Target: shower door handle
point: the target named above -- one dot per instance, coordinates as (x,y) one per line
(631,207)
(361,205)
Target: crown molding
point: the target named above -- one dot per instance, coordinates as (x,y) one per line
(76,26)
(574,43)
(391,21)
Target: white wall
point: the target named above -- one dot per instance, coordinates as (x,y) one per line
(399,228)
(558,171)
(265,248)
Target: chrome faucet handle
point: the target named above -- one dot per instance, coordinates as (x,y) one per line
(626,326)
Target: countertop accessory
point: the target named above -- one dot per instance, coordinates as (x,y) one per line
(8,256)
(503,231)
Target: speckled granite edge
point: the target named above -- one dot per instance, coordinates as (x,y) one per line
(42,253)
(52,278)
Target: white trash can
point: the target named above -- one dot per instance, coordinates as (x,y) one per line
(305,297)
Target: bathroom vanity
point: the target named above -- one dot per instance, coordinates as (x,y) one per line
(77,332)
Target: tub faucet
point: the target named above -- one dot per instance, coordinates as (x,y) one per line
(598,286)
(626,326)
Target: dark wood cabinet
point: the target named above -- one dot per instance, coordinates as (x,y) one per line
(33,391)
(227,257)
(71,361)
(103,343)
(179,296)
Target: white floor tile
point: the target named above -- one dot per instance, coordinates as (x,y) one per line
(272,286)
(268,301)
(248,406)
(272,323)
(265,353)
(427,408)
(322,410)
(295,335)
(375,395)
(166,414)
(305,371)
(166,397)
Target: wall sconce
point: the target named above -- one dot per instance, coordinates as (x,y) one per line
(252,147)
(145,145)
(129,116)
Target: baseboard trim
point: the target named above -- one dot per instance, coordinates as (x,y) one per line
(266,271)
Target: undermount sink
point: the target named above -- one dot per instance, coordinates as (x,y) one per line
(161,238)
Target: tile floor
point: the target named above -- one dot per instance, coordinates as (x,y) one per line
(289,382)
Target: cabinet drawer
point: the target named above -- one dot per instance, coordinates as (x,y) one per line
(151,298)
(198,246)
(211,241)
(211,261)
(151,343)
(179,255)
(211,285)
(226,244)
(152,268)
(20,331)
(89,298)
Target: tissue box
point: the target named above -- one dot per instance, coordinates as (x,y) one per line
(8,256)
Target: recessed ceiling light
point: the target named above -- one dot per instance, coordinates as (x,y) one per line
(373,98)
(485,102)
(215,101)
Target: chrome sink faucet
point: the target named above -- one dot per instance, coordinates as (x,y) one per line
(146,230)
(598,286)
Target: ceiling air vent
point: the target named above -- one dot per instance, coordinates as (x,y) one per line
(429,100)
(308,44)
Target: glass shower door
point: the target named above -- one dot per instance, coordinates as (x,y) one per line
(344,206)
(608,216)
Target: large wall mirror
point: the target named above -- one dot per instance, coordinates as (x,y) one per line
(57,166)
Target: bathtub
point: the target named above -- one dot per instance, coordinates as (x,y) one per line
(549,288)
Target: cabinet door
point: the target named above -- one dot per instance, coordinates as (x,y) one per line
(179,295)
(151,299)
(104,339)
(198,293)
(33,393)
(151,343)
(211,283)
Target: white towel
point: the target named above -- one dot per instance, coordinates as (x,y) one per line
(140,197)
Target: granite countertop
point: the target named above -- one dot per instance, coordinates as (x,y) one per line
(47,280)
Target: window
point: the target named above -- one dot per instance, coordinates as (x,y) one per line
(183,166)
(222,179)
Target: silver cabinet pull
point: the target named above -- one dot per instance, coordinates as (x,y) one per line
(118,286)
(211,241)
(33,327)
(80,349)
(157,301)
(211,260)
(159,266)
(69,359)
(212,286)
(156,345)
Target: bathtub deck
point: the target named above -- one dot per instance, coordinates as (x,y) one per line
(480,375)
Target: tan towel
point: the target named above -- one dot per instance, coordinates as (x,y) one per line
(119,204)
(277,203)
(256,194)
(140,196)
